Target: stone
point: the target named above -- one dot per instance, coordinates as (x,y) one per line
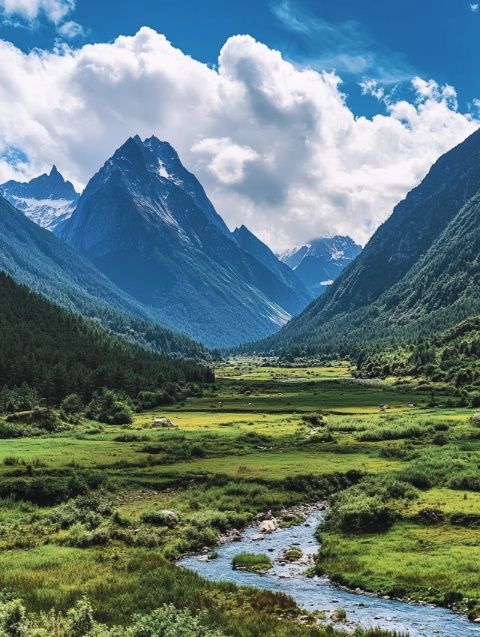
(162,422)
(267,526)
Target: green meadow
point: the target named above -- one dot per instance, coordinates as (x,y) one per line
(105,510)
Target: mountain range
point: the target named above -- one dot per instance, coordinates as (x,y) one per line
(419,273)
(35,257)
(148,225)
(146,253)
(318,263)
(48,199)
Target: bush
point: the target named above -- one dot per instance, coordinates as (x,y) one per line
(368,507)
(160,518)
(397,432)
(168,620)
(468,481)
(72,405)
(429,516)
(364,514)
(110,408)
(475,400)
(440,439)
(50,490)
(475,419)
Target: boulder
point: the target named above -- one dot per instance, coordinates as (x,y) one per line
(162,422)
(267,526)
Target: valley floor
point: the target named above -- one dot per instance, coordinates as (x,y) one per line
(104,511)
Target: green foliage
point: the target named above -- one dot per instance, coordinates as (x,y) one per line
(46,351)
(160,518)
(72,405)
(369,506)
(110,408)
(253,562)
(79,621)
(417,276)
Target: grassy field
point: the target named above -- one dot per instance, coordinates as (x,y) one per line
(83,511)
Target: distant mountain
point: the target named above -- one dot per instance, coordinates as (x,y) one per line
(262,253)
(146,222)
(419,273)
(35,257)
(48,200)
(318,263)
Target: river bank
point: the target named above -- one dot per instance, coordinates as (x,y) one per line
(323,600)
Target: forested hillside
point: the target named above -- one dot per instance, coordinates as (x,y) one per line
(418,275)
(56,352)
(451,357)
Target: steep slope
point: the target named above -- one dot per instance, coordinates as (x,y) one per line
(48,200)
(417,273)
(56,352)
(150,228)
(318,263)
(35,257)
(262,253)
(451,356)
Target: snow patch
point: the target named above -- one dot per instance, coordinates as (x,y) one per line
(337,254)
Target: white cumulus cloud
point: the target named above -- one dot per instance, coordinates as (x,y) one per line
(54,10)
(276,146)
(29,12)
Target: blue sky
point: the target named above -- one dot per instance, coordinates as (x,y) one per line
(431,38)
(301,118)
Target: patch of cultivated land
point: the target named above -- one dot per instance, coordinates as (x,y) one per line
(104,510)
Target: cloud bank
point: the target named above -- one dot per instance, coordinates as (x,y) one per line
(276,146)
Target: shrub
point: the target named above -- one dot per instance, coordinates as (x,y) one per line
(130,438)
(110,408)
(160,518)
(440,439)
(82,537)
(50,490)
(392,433)
(429,516)
(72,405)
(292,554)
(169,620)
(469,481)
(364,514)
(475,419)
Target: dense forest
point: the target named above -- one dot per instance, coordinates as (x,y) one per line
(451,357)
(52,352)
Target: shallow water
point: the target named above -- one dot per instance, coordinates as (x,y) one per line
(318,593)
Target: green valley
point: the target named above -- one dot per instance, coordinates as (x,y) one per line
(103,511)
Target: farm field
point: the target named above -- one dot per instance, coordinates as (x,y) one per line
(105,510)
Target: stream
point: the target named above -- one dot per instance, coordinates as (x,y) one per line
(318,593)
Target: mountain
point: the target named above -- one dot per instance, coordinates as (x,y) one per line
(35,257)
(48,200)
(318,263)
(418,273)
(146,222)
(56,352)
(262,253)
